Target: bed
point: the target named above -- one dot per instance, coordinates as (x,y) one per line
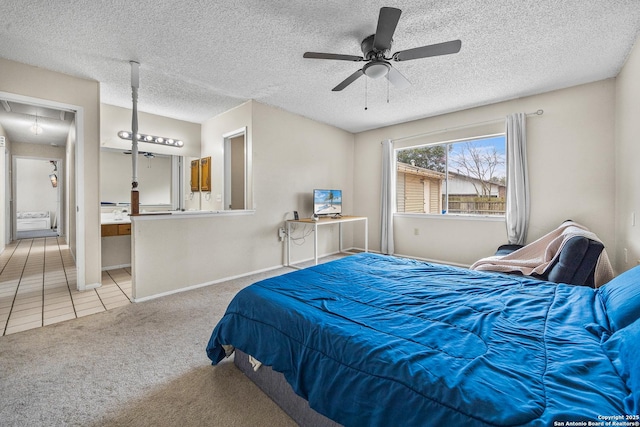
(36,220)
(377,340)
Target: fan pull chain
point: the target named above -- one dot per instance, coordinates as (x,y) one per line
(365,94)
(387,91)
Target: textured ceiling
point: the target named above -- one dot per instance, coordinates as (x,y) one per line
(18,120)
(199,59)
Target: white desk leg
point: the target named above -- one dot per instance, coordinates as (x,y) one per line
(315,242)
(366,235)
(340,237)
(288,243)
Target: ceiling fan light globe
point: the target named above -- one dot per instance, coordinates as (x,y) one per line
(375,70)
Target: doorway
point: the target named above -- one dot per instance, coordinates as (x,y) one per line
(236,169)
(70,218)
(37,197)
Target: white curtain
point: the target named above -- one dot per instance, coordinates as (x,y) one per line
(517,214)
(387,202)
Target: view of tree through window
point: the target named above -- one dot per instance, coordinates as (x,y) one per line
(464,177)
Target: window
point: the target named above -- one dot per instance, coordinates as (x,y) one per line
(463,177)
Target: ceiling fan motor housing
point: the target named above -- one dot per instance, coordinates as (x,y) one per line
(369,52)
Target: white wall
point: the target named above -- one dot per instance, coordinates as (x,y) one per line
(34,191)
(213,145)
(292,155)
(627,162)
(571,165)
(114,119)
(4,207)
(69,204)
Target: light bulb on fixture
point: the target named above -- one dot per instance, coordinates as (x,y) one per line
(152,139)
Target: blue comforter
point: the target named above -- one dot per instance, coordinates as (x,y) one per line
(382,341)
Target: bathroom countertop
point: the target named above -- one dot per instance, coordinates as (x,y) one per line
(109,218)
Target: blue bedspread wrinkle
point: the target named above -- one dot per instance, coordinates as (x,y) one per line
(377,340)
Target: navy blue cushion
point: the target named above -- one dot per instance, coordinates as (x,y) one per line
(621,299)
(623,348)
(568,260)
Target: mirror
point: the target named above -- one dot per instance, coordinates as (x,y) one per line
(160,177)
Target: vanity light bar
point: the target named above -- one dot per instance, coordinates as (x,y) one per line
(152,139)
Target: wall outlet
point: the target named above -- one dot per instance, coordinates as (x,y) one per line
(416,231)
(281,233)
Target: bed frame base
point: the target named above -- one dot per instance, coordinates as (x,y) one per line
(274,385)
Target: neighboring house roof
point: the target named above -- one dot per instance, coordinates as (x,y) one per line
(428,173)
(416,170)
(471,178)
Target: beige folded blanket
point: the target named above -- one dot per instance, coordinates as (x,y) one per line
(536,257)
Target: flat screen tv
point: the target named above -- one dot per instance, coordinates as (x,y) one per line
(327,202)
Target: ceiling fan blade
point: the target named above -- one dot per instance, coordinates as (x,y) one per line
(387,22)
(397,79)
(336,56)
(445,48)
(346,82)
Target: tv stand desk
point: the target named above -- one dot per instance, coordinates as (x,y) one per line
(325,221)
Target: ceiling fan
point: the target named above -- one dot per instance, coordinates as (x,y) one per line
(376,47)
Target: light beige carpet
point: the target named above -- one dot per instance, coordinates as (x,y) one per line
(140,365)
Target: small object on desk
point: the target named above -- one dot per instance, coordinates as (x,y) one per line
(315,217)
(295,215)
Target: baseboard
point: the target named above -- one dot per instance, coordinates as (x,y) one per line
(115,267)
(224,279)
(202,285)
(351,250)
(91,286)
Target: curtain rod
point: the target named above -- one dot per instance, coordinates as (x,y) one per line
(538,112)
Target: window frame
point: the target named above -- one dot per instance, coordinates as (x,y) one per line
(445,214)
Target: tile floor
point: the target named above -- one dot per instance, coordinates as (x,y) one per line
(38,286)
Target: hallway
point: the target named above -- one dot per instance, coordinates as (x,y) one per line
(38,286)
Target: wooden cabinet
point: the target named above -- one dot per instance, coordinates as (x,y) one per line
(124,229)
(108,230)
(205,174)
(201,174)
(195,175)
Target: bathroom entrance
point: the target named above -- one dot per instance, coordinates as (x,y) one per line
(37,197)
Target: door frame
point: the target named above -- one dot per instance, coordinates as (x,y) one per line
(79,176)
(14,191)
